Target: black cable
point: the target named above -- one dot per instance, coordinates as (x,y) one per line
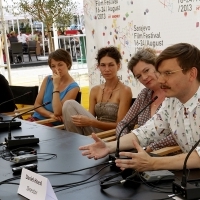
(10,179)
(63,185)
(78,183)
(70,172)
(154,184)
(72,186)
(52,156)
(164,187)
(11,183)
(174,195)
(1,144)
(50,172)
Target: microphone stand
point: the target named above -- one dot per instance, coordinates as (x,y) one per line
(118,138)
(21,140)
(15,98)
(116,155)
(184,188)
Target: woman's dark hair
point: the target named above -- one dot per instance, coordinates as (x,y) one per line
(147,55)
(111,51)
(187,56)
(60,55)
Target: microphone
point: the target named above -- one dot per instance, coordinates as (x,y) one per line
(184,178)
(15,98)
(21,140)
(1,118)
(187,190)
(118,138)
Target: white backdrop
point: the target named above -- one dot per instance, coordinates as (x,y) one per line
(133,24)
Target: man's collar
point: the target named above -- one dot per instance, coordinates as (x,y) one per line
(192,102)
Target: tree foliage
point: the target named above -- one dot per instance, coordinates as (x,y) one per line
(47,11)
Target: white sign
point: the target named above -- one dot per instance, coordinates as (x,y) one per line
(34,186)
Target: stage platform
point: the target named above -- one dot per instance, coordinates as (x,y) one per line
(42,60)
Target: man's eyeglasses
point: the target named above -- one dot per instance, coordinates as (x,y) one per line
(167,74)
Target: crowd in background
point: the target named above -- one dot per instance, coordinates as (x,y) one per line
(70,43)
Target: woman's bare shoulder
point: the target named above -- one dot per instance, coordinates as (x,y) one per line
(97,88)
(125,87)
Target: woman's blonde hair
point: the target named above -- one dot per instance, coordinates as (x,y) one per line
(12,33)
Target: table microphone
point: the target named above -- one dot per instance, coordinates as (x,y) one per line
(21,140)
(118,138)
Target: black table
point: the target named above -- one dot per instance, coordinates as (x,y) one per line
(69,158)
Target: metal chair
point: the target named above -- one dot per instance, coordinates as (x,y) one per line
(28,99)
(32,45)
(78,97)
(16,51)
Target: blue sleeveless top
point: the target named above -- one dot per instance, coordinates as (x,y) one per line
(48,96)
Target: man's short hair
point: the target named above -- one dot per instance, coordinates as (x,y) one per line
(187,56)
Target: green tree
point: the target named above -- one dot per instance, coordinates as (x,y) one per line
(47,11)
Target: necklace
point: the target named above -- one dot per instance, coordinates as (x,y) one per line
(155,103)
(110,93)
(101,109)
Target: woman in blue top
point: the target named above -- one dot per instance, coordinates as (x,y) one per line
(56,88)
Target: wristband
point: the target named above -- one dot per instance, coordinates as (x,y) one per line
(56,91)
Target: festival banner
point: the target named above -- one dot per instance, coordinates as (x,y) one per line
(131,25)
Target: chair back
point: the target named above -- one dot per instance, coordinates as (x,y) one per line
(28,99)
(16,47)
(78,97)
(32,45)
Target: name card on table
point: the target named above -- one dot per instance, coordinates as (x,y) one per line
(34,186)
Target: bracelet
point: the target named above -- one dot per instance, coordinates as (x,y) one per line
(144,148)
(56,91)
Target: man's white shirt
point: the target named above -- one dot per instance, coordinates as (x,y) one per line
(182,120)
(22,38)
